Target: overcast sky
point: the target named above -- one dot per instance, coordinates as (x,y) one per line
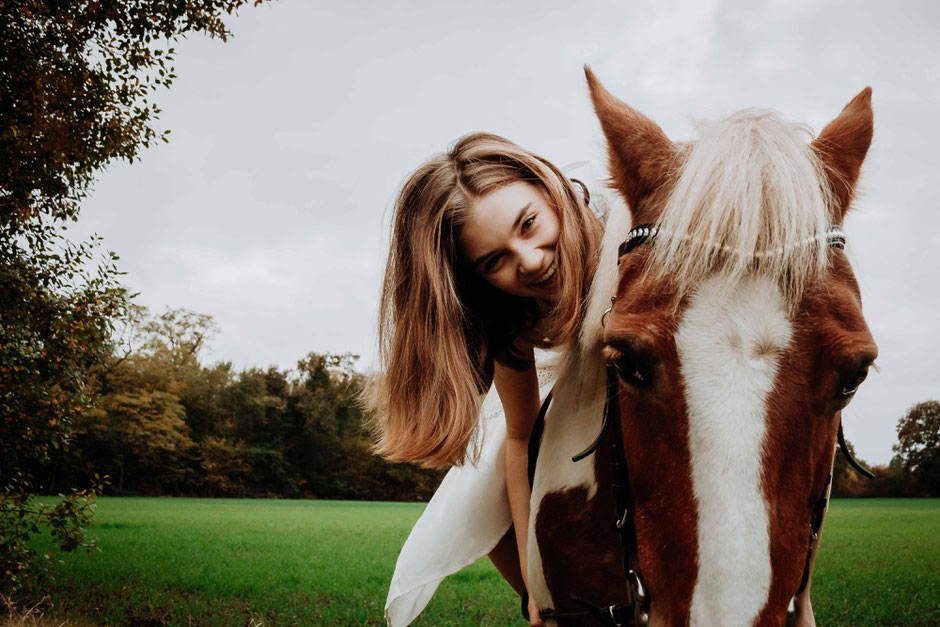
(269,209)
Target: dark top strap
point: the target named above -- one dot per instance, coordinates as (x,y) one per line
(535,440)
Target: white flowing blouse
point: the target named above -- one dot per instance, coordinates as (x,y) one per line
(466,517)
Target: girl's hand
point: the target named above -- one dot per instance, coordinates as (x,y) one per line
(534,619)
(803,614)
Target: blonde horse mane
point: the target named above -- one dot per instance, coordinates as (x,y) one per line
(749,197)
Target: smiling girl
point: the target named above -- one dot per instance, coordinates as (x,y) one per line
(493,250)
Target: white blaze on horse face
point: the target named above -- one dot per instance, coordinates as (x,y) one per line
(729,343)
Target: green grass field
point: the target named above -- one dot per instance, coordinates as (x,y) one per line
(224,561)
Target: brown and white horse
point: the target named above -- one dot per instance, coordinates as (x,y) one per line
(738,336)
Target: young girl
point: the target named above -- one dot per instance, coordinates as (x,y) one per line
(493,251)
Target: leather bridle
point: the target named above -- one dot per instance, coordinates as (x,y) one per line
(637,606)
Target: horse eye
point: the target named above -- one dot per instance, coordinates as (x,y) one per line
(633,368)
(848,385)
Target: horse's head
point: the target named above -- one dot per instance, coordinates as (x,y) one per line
(738,336)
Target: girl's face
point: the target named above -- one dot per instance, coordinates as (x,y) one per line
(510,239)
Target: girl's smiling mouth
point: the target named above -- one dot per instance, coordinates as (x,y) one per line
(547,275)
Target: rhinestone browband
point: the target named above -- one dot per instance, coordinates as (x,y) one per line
(834,236)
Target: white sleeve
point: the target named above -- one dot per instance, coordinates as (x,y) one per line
(463,522)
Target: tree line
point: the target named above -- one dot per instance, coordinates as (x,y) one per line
(165,424)
(913,471)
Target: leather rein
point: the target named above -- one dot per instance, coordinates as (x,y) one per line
(637,606)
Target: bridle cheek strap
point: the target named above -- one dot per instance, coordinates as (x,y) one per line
(637,607)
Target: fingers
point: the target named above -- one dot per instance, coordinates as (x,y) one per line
(534,619)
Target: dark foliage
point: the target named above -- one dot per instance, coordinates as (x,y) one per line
(918,448)
(75,88)
(170,426)
(914,471)
(76,78)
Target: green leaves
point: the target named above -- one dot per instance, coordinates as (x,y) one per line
(66,518)
(76,86)
(918,447)
(76,83)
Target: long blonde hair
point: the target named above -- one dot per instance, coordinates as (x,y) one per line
(441,326)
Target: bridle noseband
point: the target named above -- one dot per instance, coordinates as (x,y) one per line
(637,606)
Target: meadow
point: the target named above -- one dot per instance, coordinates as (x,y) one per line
(233,561)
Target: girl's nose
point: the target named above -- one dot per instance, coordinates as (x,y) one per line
(530,260)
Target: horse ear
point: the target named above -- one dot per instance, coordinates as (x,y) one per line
(842,147)
(641,156)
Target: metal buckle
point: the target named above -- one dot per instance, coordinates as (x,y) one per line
(613,619)
(613,299)
(641,610)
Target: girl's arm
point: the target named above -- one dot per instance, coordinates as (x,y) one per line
(519,393)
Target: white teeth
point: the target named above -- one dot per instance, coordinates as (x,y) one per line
(548,274)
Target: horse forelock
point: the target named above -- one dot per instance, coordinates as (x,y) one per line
(748,196)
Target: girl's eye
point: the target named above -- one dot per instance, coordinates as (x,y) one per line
(528,224)
(492,263)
